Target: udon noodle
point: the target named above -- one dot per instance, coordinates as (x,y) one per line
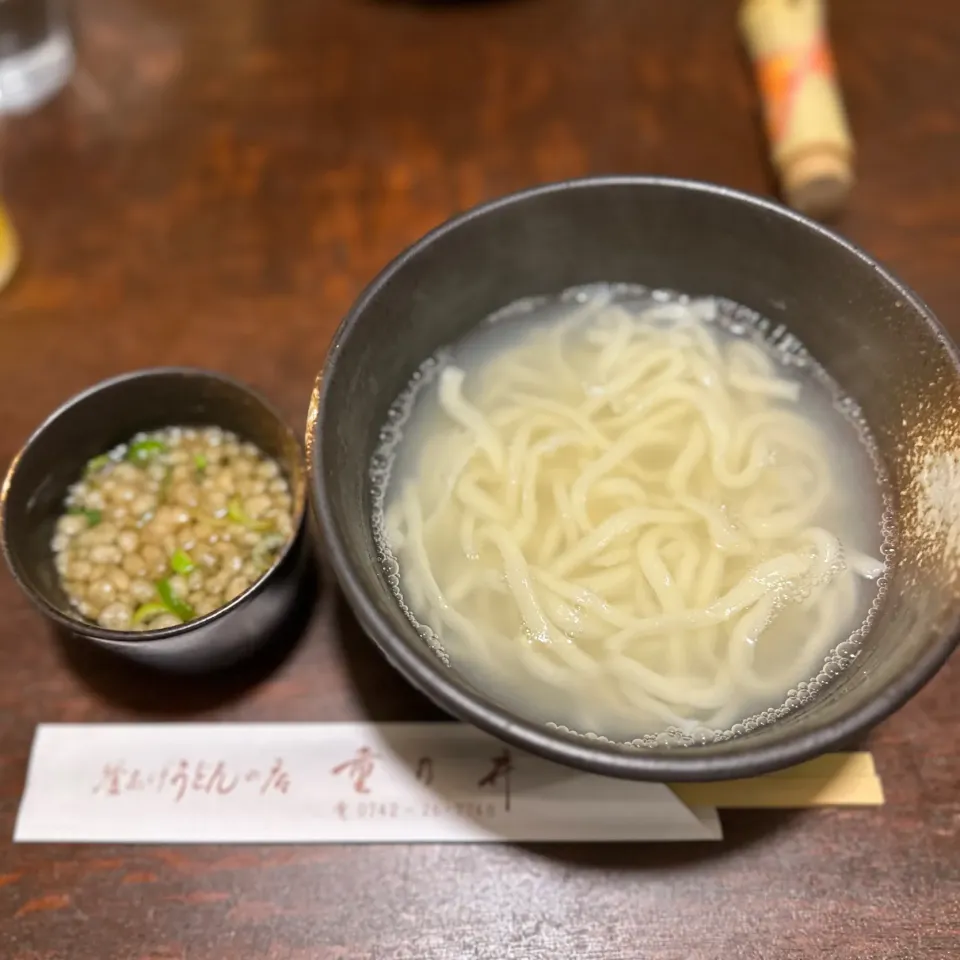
(628,510)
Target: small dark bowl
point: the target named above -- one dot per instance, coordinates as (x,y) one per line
(108,414)
(874,336)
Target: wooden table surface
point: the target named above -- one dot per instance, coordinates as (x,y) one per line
(214,189)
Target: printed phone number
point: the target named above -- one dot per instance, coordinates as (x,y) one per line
(390,810)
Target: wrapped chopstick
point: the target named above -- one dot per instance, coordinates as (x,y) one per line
(807,130)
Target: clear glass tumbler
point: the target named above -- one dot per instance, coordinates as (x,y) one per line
(36,52)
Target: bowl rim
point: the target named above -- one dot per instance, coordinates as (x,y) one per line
(125,638)
(425,671)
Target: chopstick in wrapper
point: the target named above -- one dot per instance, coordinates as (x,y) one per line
(806,124)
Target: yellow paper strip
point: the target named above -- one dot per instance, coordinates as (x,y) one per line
(838,779)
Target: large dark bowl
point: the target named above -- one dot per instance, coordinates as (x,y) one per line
(99,419)
(873,335)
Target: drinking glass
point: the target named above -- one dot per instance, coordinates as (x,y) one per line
(36,52)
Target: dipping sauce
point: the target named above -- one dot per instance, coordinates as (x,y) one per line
(170,526)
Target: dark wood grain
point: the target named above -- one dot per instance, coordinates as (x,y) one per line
(214,189)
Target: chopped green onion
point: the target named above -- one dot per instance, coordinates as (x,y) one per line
(147,611)
(143,451)
(237,514)
(173,603)
(97,463)
(181,562)
(93,516)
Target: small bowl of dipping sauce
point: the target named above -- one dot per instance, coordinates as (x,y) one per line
(161,514)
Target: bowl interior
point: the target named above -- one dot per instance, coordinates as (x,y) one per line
(99,419)
(872,335)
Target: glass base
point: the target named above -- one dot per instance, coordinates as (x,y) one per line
(31,78)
